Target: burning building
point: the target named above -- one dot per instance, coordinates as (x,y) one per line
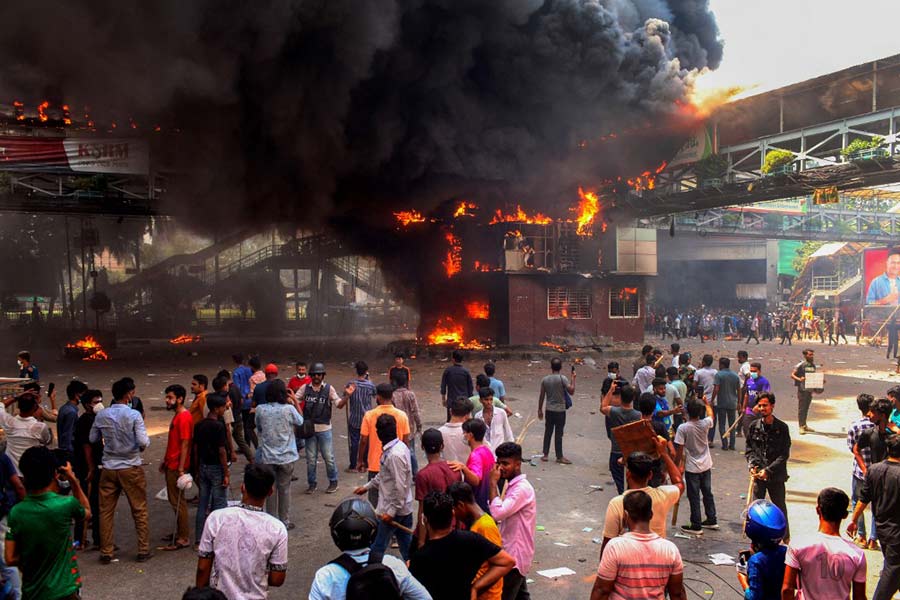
(522,278)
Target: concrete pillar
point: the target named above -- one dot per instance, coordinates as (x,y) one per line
(772,273)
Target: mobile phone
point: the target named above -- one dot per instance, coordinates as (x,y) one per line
(50,388)
(573,369)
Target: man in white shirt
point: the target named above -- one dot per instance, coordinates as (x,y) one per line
(643,379)
(498,429)
(243,550)
(24,431)
(455,446)
(692,443)
(744,366)
(824,566)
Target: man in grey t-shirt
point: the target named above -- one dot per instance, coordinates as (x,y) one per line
(618,406)
(553,390)
(705,376)
(726,391)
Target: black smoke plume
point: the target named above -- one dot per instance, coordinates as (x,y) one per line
(344,109)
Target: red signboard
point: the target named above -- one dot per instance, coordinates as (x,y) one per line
(80,155)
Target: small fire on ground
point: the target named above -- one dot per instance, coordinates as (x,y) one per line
(185,338)
(90,348)
(556,347)
(448,331)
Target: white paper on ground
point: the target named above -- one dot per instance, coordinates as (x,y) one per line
(557,572)
(561,544)
(721,559)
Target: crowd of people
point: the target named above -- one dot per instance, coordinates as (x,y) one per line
(468,503)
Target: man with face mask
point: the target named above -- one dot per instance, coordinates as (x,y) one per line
(176,463)
(86,463)
(755,385)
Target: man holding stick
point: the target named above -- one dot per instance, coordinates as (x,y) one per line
(768,449)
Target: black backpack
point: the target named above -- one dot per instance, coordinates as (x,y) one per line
(375,580)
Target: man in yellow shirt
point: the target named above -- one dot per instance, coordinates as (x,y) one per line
(467,511)
(369,457)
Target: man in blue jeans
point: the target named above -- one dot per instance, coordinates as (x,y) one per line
(726,390)
(211,458)
(318,398)
(692,444)
(394,482)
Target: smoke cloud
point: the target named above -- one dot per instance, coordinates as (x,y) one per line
(314,110)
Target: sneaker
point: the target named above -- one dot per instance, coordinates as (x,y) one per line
(707,524)
(144,557)
(105,559)
(332,487)
(695,529)
(311,489)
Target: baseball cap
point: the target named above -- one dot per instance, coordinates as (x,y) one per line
(271,368)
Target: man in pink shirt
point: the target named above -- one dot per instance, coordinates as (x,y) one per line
(823,565)
(639,564)
(477,469)
(515,511)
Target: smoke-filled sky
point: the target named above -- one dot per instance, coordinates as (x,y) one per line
(772,43)
(308,108)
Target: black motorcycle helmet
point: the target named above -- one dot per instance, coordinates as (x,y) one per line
(317,369)
(353,524)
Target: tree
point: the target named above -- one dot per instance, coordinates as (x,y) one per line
(803,253)
(775,159)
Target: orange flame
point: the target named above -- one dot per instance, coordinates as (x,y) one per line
(647,179)
(465,209)
(627,293)
(520,216)
(42,111)
(67,116)
(482,267)
(478,310)
(407,217)
(19,108)
(185,338)
(91,348)
(556,347)
(453,261)
(587,210)
(448,331)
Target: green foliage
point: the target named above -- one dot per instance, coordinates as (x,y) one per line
(862,144)
(803,254)
(712,167)
(775,159)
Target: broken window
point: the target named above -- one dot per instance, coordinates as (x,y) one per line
(624,302)
(568,303)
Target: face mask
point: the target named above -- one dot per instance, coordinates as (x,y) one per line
(98,407)
(19,362)
(754,375)
(610,375)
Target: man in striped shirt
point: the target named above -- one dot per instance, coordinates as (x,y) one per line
(639,564)
(358,395)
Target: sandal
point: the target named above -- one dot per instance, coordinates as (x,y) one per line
(174,547)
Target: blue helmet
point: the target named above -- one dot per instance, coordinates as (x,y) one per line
(765,522)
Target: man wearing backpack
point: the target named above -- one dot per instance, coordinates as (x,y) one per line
(358,573)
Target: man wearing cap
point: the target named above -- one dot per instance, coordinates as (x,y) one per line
(318,398)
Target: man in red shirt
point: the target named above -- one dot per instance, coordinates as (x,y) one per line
(299,380)
(176,463)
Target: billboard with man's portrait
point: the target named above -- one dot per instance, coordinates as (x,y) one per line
(881,276)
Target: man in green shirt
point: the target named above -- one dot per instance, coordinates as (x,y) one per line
(39,539)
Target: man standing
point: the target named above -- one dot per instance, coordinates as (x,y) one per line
(24,431)
(455,446)
(692,445)
(39,539)
(499,389)
(754,329)
(404,399)
(823,565)
(622,414)
(235,401)
(640,559)
(864,403)
(276,421)
(882,486)
(318,398)
(211,459)
(874,439)
(639,469)
(241,378)
(394,481)
(435,476)
(498,429)
(300,378)
(124,438)
(199,385)
(270,373)
(705,377)
(466,551)
(456,382)
(243,550)
(358,395)
(755,385)
(471,514)
(804,395)
(768,450)
(644,376)
(743,366)
(516,512)
(86,463)
(481,460)
(27,369)
(68,414)
(726,389)
(554,388)
(398,369)
(177,462)
(370,447)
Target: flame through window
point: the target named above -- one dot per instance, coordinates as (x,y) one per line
(568,303)
(624,302)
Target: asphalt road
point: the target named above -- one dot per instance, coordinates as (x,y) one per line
(567,502)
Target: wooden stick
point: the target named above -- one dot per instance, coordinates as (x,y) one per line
(393,523)
(749,500)
(733,425)
(528,424)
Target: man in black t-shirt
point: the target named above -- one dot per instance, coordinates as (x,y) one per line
(450,560)
(874,438)
(618,406)
(882,487)
(86,463)
(211,458)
